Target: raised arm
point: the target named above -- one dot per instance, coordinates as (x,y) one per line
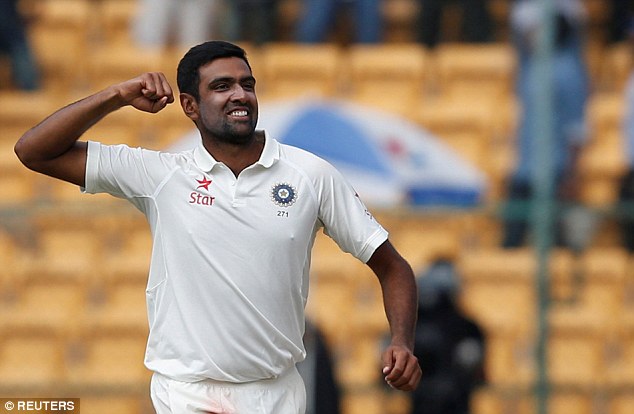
(400,298)
(51,147)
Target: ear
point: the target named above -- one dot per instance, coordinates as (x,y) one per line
(189,105)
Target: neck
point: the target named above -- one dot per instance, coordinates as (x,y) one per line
(236,156)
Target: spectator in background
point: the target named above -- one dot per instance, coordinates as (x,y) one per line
(626,186)
(317,371)
(450,347)
(252,20)
(570,90)
(161,23)
(319,18)
(14,43)
(476,20)
(617,24)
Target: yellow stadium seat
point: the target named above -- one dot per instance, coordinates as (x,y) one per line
(620,367)
(576,346)
(485,69)
(121,128)
(116,63)
(600,192)
(13,103)
(492,118)
(60,37)
(604,155)
(109,360)
(479,229)
(604,273)
(114,19)
(622,403)
(570,402)
(67,254)
(328,300)
(616,66)
(369,402)
(31,361)
(575,358)
(63,12)
(498,288)
(513,265)
(329,262)
(166,128)
(120,307)
(473,131)
(563,282)
(360,364)
(120,404)
(606,111)
(389,76)
(45,306)
(509,359)
(425,240)
(12,258)
(291,70)
(18,187)
(620,354)
(494,400)
(129,261)
(603,160)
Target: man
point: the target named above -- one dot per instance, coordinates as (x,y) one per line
(14,42)
(451,347)
(568,129)
(233,222)
(476,21)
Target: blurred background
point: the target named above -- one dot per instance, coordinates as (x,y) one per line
(524,115)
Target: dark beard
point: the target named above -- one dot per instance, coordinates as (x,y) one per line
(234,134)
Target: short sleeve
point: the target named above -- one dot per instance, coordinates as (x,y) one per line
(123,171)
(345,217)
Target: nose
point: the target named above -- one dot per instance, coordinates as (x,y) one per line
(238,93)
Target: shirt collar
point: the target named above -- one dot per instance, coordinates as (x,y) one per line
(270,154)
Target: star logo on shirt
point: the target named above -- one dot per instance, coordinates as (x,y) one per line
(204,183)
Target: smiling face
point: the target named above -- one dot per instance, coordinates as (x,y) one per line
(227,110)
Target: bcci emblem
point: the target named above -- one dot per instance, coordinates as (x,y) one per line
(283,194)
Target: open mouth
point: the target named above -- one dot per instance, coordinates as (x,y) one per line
(239,113)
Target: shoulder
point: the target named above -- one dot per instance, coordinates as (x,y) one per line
(122,153)
(305,160)
(124,149)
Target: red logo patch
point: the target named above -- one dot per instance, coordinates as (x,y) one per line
(204,183)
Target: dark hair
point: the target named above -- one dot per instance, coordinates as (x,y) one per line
(188,77)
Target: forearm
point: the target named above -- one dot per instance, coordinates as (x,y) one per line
(401,301)
(400,296)
(51,147)
(57,134)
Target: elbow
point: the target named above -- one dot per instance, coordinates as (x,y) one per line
(22,153)
(25,154)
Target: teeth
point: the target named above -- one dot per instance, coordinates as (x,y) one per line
(239,113)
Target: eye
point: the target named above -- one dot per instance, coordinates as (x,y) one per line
(221,86)
(249,86)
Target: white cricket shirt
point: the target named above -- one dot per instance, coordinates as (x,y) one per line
(228,278)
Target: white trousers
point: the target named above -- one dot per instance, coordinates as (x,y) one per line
(283,395)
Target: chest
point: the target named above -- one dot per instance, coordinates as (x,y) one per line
(279,208)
